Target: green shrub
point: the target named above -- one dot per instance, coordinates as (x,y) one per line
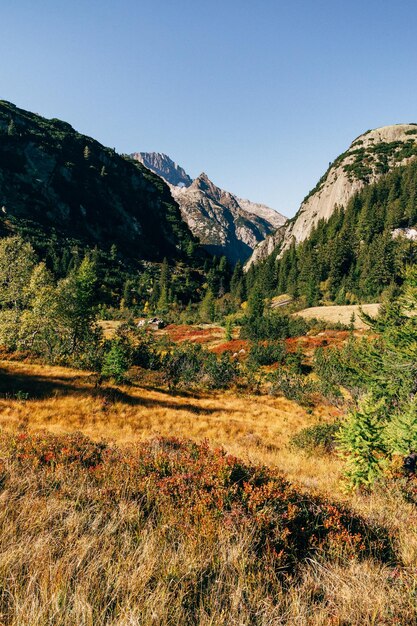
(348,366)
(361,441)
(273,326)
(183,365)
(267,352)
(292,386)
(219,372)
(188,365)
(294,361)
(317,438)
(330,392)
(228,331)
(145,353)
(116,360)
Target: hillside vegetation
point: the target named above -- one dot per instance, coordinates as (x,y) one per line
(62,188)
(352,256)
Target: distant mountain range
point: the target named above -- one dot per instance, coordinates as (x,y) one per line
(224,224)
(62,189)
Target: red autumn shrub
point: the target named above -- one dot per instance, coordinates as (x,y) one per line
(199,491)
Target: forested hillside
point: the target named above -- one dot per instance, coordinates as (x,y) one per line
(60,188)
(355,255)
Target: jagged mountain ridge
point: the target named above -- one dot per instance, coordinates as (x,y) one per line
(224,223)
(57,181)
(165,167)
(370,156)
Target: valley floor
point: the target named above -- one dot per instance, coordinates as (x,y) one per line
(256,428)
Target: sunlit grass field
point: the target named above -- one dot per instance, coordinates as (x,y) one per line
(69,559)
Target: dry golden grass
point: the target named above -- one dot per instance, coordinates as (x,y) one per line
(78,563)
(341,313)
(256,428)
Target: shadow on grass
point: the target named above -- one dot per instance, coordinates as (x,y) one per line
(36,387)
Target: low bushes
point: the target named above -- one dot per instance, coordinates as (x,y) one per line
(320,438)
(167,532)
(273,326)
(293,386)
(188,365)
(199,491)
(267,352)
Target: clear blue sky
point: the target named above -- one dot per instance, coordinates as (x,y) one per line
(260,95)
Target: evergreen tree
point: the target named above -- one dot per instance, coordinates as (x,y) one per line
(256,304)
(237,283)
(361,441)
(400,434)
(386,422)
(164,285)
(207,308)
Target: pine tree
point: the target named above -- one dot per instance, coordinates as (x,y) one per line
(228,331)
(400,434)
(361,442)
(256,304)
(207,308)
(386,422)
(163,300)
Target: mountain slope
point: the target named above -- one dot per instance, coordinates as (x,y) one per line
(263,211)
(55,180)
(370,156)
(358,253)
(224,224)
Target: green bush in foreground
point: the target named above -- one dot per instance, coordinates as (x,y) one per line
(116,361)
(317,438)
(384,423)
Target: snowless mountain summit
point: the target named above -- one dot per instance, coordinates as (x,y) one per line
(225,224)
(370,156)
(165,167)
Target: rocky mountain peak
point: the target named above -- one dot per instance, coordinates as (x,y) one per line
(224,224)
(203,183)
(165,167)
(371,155)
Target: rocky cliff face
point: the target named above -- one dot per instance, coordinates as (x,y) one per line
(266,247)
(224,224)
(165,167)
(370,156)
(56,182)
(263,211)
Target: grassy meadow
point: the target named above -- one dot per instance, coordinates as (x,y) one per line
(110,517)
